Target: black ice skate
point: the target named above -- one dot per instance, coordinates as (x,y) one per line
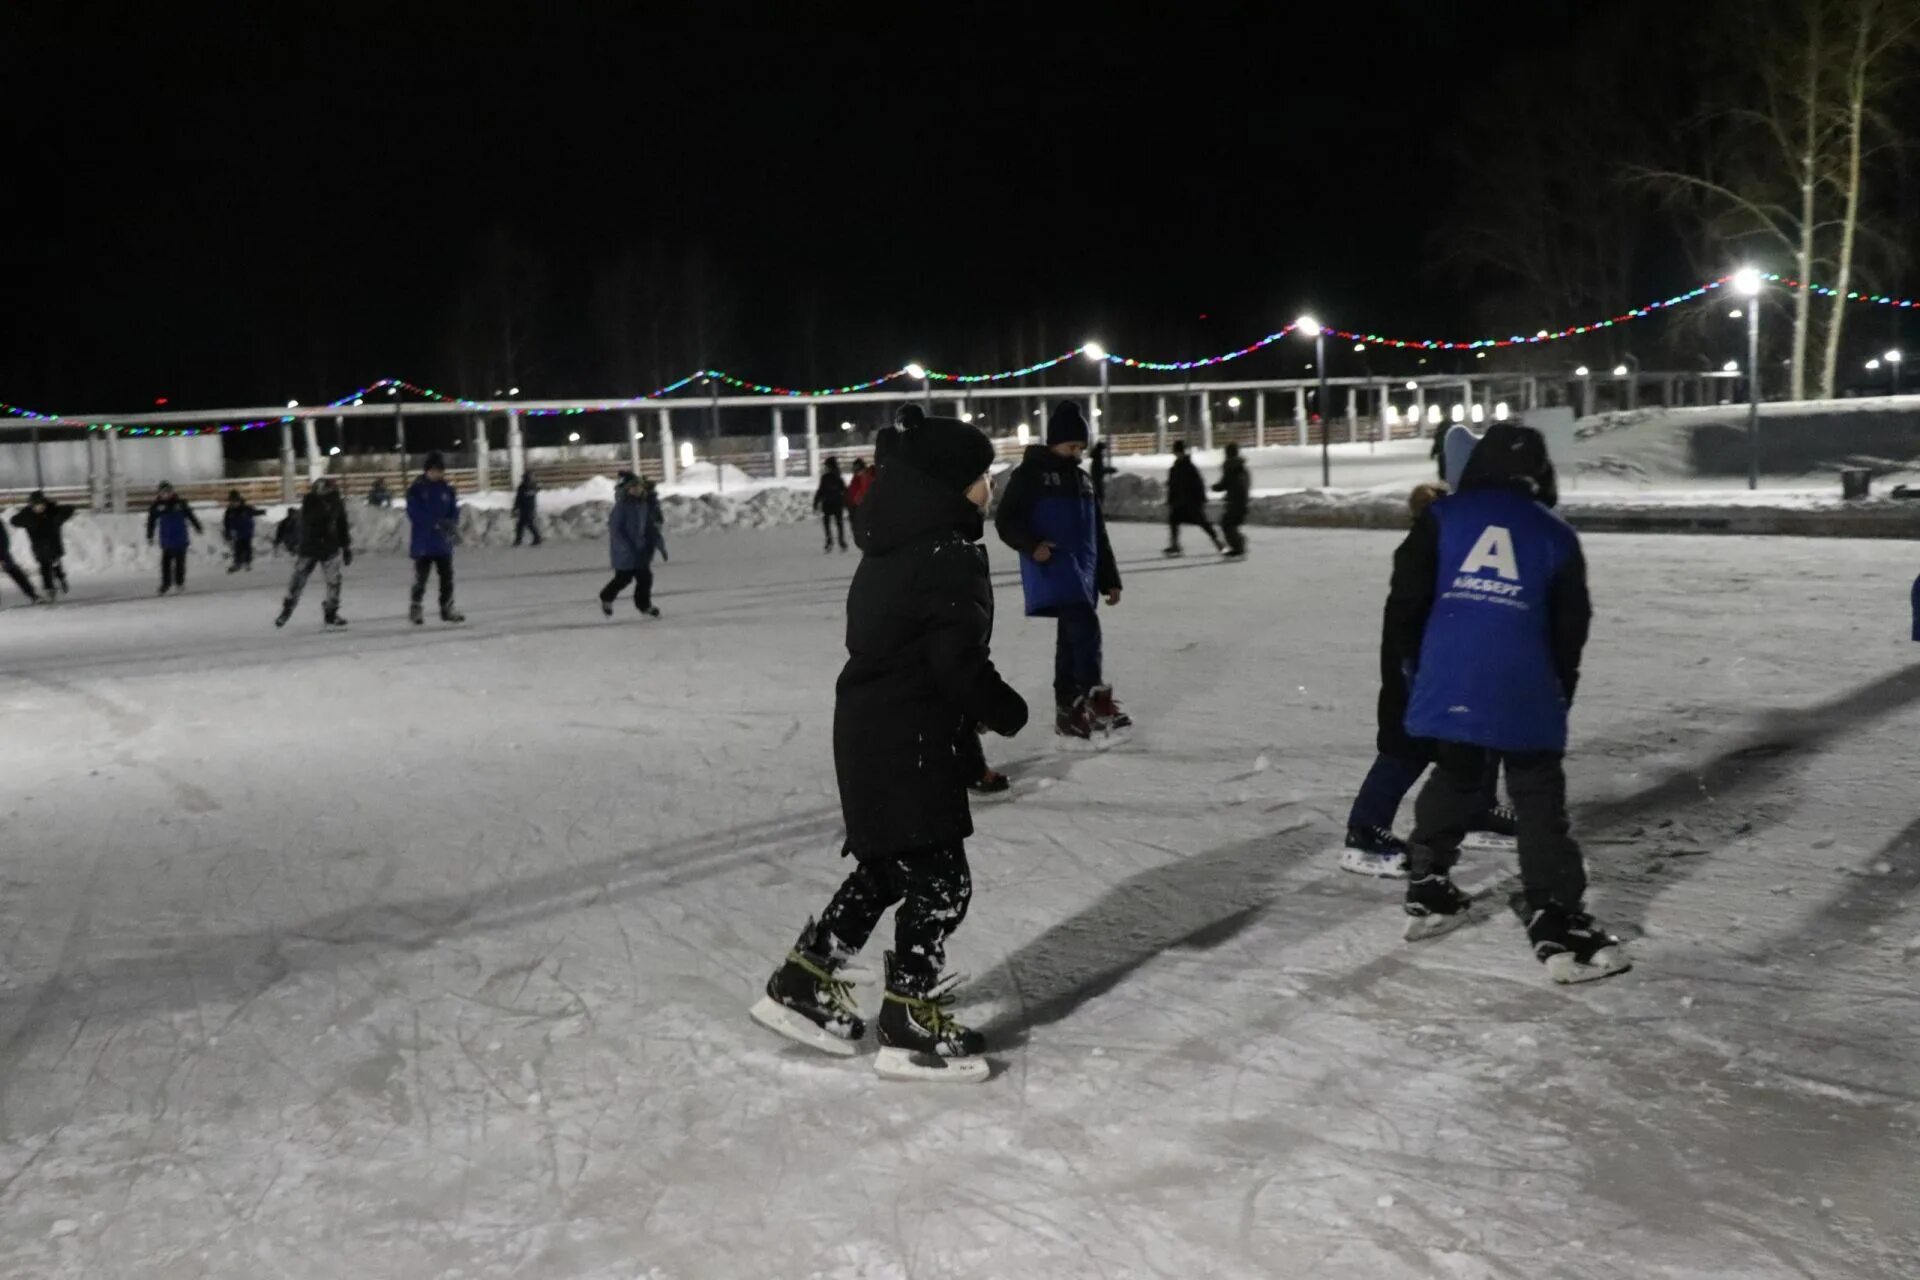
(286,612)
(990,783)
(648,611)
(919,1039)
(1493,830)
(1435,905)
(807,1003)
(1075,721)
(1374,851)
(1172,553)
(450,614)
(332,618)
(606,608)
(416,615)
(1573,947)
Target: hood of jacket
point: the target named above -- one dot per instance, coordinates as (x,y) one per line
(1512,456)
(906,503)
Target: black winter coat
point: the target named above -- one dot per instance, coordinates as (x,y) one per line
(324,532)
(918,673)
(1238,486)
(831,497)
(43,529)
(1186,490)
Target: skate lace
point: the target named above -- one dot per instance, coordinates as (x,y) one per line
(931,1011)
(836,991)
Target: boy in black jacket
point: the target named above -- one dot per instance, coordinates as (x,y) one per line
(1238,486)
(42,519)
(326,540)
(918,674)
(1187,501)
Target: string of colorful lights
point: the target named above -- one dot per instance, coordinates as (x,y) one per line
(914,373)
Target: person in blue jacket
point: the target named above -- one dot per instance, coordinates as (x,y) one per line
(1049,515)
(433,509)
(1488,615)
(632,538)
(171,517)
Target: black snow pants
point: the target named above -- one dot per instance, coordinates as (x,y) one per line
(422,566)
(1552,869)
(642,580)
(20,579)
(173,568)
(932,886)
(835,520)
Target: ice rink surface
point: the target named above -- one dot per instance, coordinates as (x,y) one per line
(427,953)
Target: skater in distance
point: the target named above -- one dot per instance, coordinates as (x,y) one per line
(326,542)
(174,522)
(1048,514)
(919,675)
(1187,501)
(433,511)
(43,520)
(237,525)
(633,539)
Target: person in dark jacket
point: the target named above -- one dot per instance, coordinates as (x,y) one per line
(526,509)
(1099,468)
(171,518)
(20,579)
(1048,515)
(433,511)
(326,540)
(1187,500)
(1237,485)
(379,495)
(43,519)
(632,539)
(1371,848)
(918,672)
(830,500)
(237,525)
(1489,615)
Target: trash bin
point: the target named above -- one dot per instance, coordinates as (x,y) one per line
(1855,483)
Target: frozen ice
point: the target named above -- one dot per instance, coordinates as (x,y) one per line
(316,976)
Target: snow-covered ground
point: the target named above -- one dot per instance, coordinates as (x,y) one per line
(426,952)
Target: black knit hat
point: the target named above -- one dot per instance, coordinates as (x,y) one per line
(1066,424)
(434,462)
(951,451)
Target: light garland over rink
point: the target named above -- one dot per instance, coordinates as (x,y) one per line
(1538,338)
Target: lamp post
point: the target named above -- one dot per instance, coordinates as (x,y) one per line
(1098,354)
(1893,359)
(1311,327)
(1747,283)
(914,369)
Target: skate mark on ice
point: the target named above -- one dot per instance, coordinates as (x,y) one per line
(1869,896)
(1197,903)
(1754,769)
(241,966)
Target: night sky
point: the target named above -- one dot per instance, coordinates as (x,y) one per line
(291,206)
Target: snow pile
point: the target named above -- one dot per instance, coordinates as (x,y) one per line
(98,543)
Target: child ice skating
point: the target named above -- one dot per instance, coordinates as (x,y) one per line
(1371,848)
(326,540)
(526,510)
(43,520)
(433,511)
(918,675)
(1237,485)
(1048,515)
(1489,613)
(237,525)
(173,520)
(830,500)
(1187,501)
(632,538)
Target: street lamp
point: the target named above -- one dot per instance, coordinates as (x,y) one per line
(1893,359)
(1098,354)
(1311,327)
(914,369)
(1747,282)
